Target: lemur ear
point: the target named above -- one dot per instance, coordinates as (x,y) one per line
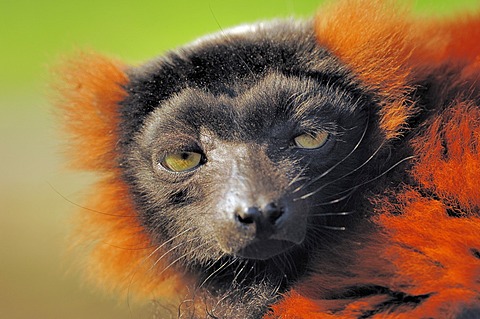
(89,88)
(374,38)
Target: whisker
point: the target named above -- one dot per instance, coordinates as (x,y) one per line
(127,248)
(140,263)
(348,174)
(219,269)
(182,256)
(301,186)
(335,201)
(170,240)
(331,227)
(382,174)
(290,263)
(170,250)
(252,268)
(299,177)
(276,289)
(351,190)
(229,39)
(210,264)
(237,274)
(85,208)
(333,214)
(328,171)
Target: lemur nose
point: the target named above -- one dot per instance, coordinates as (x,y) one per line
(268,215)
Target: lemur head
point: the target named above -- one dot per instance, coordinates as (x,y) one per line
(236,166)
(231,166)
(245,145)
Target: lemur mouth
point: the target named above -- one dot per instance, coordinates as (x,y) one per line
(265,249)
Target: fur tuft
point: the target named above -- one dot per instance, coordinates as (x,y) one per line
(89,89)
(119,252)
(375,39)
(120,256)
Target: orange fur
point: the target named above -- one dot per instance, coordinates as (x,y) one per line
(453,39)
(374,39)
(122,259)
(452,171)
(119,252)
(86,83)
(384,46)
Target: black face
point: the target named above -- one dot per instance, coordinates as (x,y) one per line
(245,147)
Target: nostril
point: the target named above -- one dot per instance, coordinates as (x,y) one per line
(254,215)
(245,219)
(273,212)
(249,215)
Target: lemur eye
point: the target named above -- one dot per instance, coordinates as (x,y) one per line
(181,161)
(311,141)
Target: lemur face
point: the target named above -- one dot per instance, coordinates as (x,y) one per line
(247,146)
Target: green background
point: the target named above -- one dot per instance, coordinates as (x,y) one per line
(37,279)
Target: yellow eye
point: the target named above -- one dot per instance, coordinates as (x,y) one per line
(181,161)
(311,141)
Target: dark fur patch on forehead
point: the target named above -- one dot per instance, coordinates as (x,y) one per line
(222,63)
(275,107)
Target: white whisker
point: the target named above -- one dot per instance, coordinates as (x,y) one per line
(182,256)
(334,201)
(332,214)
(348,174)
(332,227)
(219,269)
(328,171)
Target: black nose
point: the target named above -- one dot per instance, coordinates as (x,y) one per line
(267,216)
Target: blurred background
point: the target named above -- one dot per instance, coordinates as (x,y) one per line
(37,279)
